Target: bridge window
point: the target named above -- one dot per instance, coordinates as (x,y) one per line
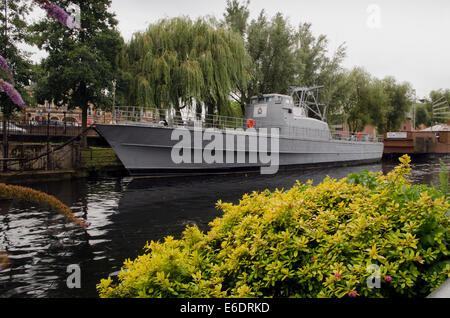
(278,100)
(288,100)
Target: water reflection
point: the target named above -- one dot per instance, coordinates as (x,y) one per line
(41,244)
(124,215)
(424,171)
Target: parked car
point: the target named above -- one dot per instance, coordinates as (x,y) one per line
(90,122)
(72,124)
(13,128)
(54,122)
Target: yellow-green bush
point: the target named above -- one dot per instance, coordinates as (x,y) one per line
(309,241)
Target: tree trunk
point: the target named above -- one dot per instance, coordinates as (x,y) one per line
(198,110)
(209,114)
(178,117)
(243,106)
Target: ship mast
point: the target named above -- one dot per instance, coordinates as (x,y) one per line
(306,97)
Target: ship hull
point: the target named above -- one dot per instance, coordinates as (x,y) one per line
(148,151)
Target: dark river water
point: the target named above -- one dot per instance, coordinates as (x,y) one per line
(124,215)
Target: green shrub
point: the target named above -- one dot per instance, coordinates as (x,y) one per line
(309,241)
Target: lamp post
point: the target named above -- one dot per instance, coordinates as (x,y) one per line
(48,138)
(4,118)
(64,109)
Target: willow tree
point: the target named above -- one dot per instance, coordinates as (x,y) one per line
(179,62)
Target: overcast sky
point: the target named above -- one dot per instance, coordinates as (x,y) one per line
(405,39)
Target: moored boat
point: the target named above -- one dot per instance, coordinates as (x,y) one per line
(276,133)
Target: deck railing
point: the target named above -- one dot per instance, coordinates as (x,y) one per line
(163,118)
(158,117)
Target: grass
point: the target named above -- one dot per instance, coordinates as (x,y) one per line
(98,158)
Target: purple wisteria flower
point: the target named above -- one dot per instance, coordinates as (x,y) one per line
(11,92)
(5,68)
(56,12)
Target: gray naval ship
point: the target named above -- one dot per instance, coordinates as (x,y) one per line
(277,133)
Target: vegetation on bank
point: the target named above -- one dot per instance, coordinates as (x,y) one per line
(96,159)
(28,195)
(327,240)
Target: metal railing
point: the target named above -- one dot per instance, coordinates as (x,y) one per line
(166,118)
(158,117)
(340,135)
(33,128)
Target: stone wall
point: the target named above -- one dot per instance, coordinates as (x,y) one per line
(62,159)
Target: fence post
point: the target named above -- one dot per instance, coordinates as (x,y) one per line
(48,140)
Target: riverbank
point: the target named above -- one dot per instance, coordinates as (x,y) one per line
(93,162)
(99,162)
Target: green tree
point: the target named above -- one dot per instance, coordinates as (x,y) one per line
(401,97)
(236,19)
(179,62)
(283,56)
(81,64)
(364,100)
(278,61)
(369,100)
(354,109)
(423,115)
(236,16)
(269,44)
(314,66)
(378,100)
